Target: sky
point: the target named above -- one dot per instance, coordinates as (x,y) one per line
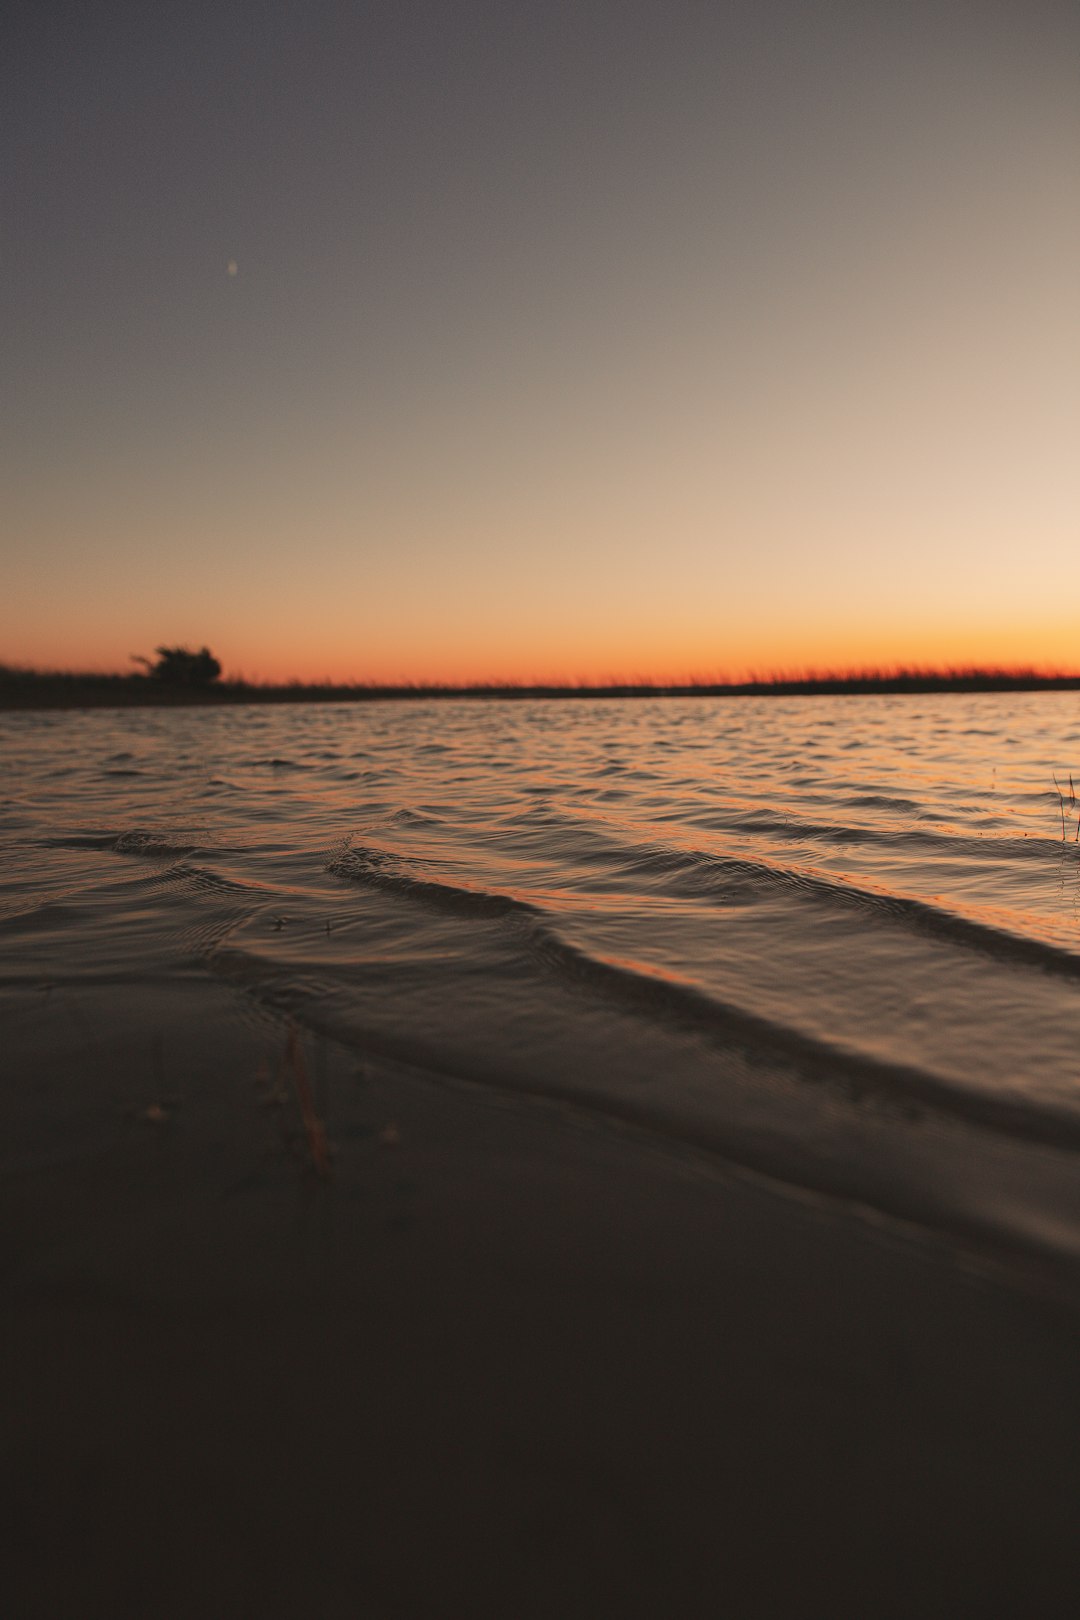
(487,340)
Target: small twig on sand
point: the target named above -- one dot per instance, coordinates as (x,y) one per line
(313,1125)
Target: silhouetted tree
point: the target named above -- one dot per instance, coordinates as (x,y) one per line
(182,667)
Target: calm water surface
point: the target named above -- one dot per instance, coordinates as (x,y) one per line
(836,941)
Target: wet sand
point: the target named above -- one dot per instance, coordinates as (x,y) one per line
(506,1359)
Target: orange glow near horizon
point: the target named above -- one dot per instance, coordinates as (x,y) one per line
(1049,650)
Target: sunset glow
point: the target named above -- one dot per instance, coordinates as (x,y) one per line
(425,344)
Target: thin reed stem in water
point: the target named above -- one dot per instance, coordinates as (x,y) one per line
(313,1125)
(1061,804)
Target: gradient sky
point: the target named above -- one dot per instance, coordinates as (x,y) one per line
(484,340)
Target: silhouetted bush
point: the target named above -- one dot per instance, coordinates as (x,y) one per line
(179,666)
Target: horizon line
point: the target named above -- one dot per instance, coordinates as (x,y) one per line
(747,675)
(26,686)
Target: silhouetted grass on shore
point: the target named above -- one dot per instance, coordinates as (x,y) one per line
(22,688)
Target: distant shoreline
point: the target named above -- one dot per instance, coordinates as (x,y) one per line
(32,689)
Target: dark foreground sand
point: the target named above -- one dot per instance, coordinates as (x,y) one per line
(517,1362)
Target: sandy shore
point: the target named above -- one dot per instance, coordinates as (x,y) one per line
(504,1360)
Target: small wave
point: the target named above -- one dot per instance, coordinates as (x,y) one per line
(378,869)
(201,879)
(787,825)
(719,879)
(792,826)
(722,877)
(79,841)
(411,818)
(154,845)
(881,801)
(664,996)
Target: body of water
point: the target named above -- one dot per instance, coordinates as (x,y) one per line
(831,941)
